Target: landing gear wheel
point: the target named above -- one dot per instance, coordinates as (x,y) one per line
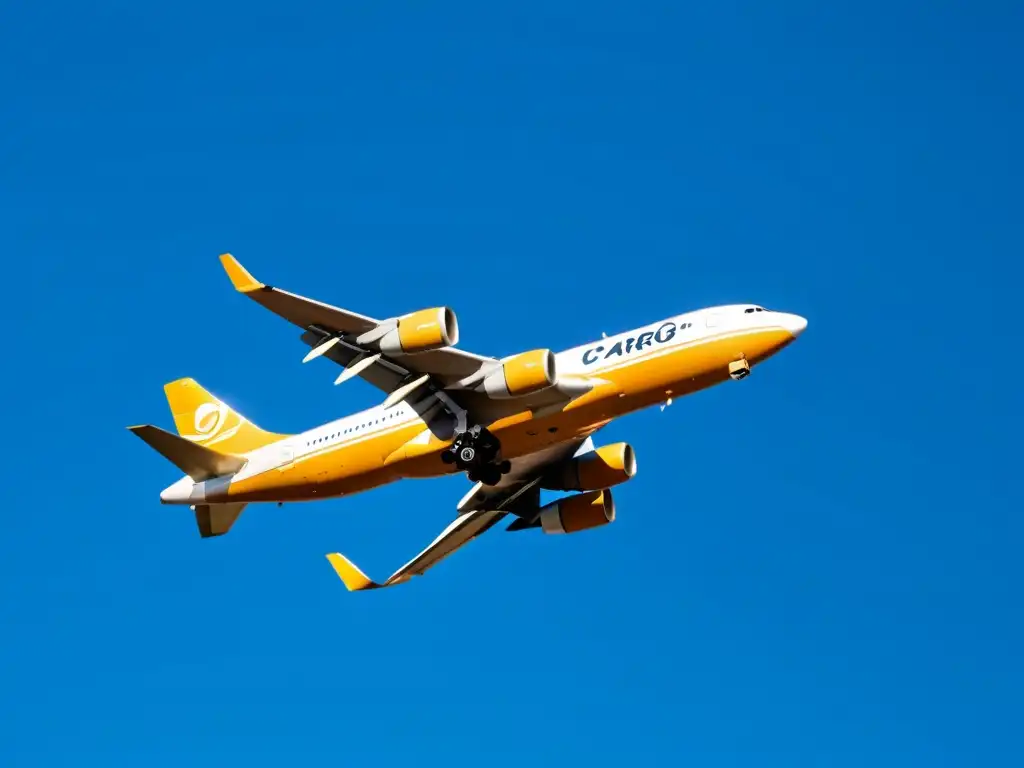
(488,448)
(490,475)
(476,452)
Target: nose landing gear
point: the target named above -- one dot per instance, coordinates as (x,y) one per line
(476,451)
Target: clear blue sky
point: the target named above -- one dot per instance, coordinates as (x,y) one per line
(818,566)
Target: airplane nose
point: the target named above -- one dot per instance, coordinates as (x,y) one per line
(794,324)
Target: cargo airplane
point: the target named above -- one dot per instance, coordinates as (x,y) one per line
(515,425)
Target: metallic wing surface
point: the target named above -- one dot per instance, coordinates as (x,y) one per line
(359,344)
(518,494)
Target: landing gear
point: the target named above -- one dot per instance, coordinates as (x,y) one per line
(476,452)
(488,475)
(739,369)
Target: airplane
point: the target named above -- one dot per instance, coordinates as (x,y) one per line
(515,425)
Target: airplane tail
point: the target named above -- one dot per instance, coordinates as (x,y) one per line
(217,519)
(199,464)
(206,421)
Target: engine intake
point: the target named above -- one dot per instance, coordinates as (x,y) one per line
(608,466)
(523,374)
(422,331)
(578,513)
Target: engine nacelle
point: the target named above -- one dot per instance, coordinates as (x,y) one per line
(523,374)
(609,465)
(578,513)
(422,331)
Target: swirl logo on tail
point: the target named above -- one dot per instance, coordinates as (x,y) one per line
(210,419)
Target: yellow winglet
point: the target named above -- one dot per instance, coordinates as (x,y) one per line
(355,580)
(240,277)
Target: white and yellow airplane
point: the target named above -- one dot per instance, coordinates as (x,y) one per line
(515,425)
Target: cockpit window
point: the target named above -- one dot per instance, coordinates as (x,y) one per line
(748,310)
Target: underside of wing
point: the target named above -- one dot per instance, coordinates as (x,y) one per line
(460,531)
(518,492)
(446,366)
(416,352)
(296,309)
(349,338)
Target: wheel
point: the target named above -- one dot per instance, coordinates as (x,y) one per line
(487,446)
(505,467)
(472,477)
(467,454)
(447,457)
(490,475)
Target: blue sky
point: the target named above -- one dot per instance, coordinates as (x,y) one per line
(817,566)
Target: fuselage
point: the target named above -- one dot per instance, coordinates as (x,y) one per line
(629,371)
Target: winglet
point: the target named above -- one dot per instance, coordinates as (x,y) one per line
(240,277)
(355,580)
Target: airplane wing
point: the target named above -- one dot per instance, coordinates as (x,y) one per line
(461,530)
(518,493)
(320,322)
(352,341)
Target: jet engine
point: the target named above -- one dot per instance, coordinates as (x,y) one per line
(422,331)
(523,374)
(609,465)
(578,513)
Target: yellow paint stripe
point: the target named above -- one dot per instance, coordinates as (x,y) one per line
(360,439)
(329,449)
(656,353)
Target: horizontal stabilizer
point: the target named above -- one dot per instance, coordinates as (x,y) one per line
(217,519)
(194,460)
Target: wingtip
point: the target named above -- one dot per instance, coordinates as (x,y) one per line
(240,277)
(353,578)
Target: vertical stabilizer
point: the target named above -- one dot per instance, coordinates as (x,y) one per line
(206,420)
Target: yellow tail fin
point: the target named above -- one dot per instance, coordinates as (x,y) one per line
(203,419)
